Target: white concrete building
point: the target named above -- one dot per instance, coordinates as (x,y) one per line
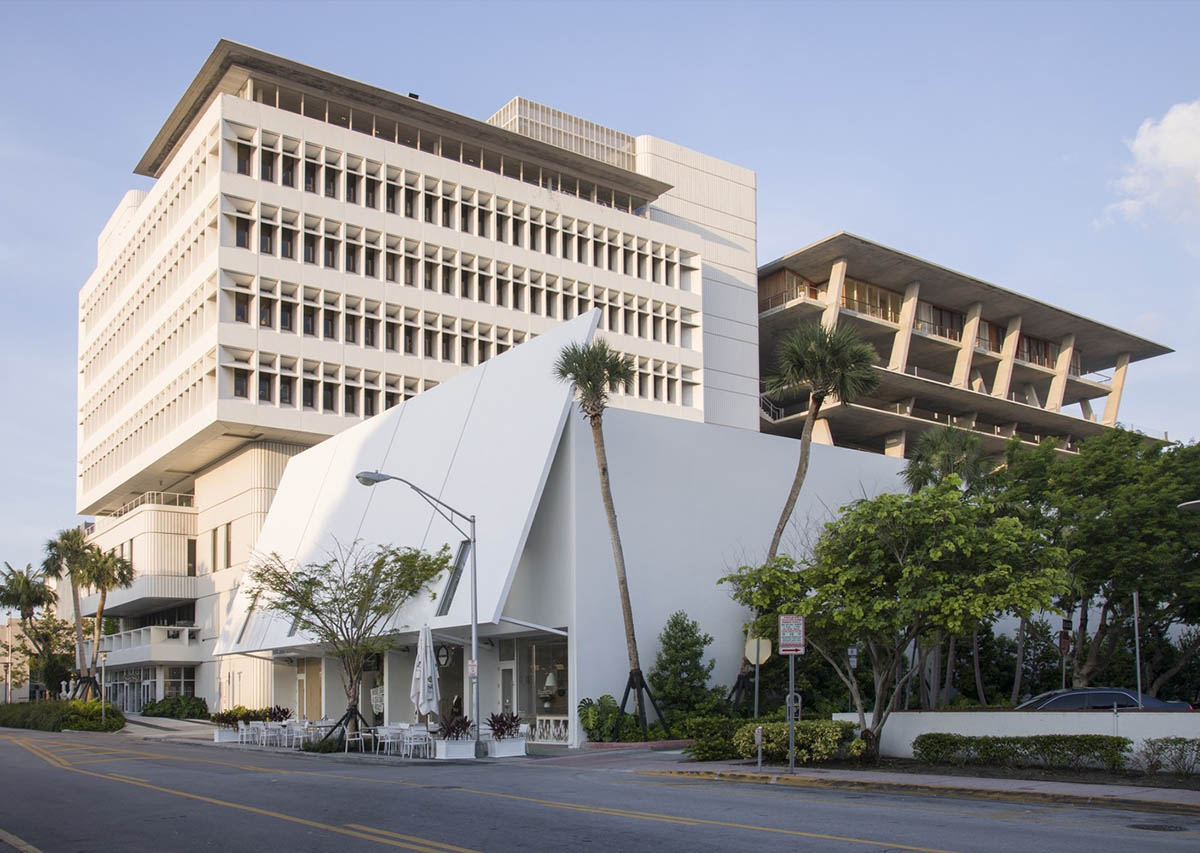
(694,500)
(315,251)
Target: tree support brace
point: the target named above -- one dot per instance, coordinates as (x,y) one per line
(637,683)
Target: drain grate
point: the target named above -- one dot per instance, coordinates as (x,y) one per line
(1157,827)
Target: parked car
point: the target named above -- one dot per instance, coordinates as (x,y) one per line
(1097,698)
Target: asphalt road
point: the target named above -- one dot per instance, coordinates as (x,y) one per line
(114,793)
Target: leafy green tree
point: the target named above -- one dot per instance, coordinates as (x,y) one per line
(1115,507)
(47,644)
(104,571)
(594,370)
(344,602)
(680,676)
(895,569)
(829,363)
(67,554)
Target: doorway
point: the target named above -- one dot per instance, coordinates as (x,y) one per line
(308,689)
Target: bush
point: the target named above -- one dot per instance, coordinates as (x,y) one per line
(178,707)
(1173,754)
(1071,751)
(712,737)
(56,715)
(816,740)
(680,675)
(239,713)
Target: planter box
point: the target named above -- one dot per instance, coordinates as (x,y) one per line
(453,748)
(225,736)
(508,747)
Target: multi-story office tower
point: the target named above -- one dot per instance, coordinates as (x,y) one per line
(953,350)
(315,250)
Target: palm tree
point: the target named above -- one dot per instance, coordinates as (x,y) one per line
(67,554)
(104,571)
(944,450)
(830,363)
(26,592)
(594,370)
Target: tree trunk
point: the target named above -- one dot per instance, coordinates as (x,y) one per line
(96,636)
(1020,668)
(80,663)
(814,406)
(614,533)
(978,675)
(944,693)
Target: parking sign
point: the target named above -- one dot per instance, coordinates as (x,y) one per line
(791,634)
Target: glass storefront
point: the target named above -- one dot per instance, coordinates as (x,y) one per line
(131,688)
(542,677)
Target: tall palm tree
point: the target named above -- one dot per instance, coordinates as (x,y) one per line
(26,592)
(594,370)
(104,571)
(944,450)
(67,554)
(830,363)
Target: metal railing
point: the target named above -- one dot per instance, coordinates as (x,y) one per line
(881,312)
(948,332)
(773,412)
(788,293)
(176,499)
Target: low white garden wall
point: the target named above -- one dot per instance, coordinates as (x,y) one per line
(903,727)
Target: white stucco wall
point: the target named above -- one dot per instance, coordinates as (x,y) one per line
(904,726)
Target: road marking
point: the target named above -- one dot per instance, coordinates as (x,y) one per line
(126,776)
(17,843)
(601,810)
(421,847)
(391,834)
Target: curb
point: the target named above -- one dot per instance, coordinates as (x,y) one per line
(1044,797)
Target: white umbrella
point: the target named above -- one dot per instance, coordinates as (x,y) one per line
(425,689)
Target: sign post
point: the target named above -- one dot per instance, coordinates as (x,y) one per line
(758,650)
(791,643)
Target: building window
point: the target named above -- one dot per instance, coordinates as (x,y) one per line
(241,230)
(310,320)
(266,170)
(369,265)
(310,394)
(241,383)
(286,384)
(286,317)
(329,397)
(212,566)
(241,307)
(243,158)
(287,244)
(369,403)
(329,326)
(369,332)
(266,239)
(266,389)
(352,188)
(349,398)
(310,177)
(456,572)
(266,312)
(287,173)
(351,332)
(191,558)
(179,681)
(228,545)
(372,192)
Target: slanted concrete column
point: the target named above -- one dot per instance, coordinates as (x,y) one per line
(1114,395)
(962,364)
(908,316)
(1085,406)
(894,444)
(1062,371)
(1008,355)
(833,294)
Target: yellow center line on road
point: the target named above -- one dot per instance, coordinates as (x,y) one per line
(127,776)
(390,834)
(420,845)
(17,843)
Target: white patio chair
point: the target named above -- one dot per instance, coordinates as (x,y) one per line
(418,740)
(258,732)
(274,734)
(388,737)
(243,731)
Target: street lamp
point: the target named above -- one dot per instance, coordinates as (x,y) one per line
(5,665)
(371,478)
(1190,506)
(103,685)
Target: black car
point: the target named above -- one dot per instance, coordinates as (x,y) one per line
(1096,699)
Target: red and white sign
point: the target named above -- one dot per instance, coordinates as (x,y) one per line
(791,634)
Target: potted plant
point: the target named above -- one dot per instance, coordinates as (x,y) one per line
(226,727)
(507,740)
(454,739)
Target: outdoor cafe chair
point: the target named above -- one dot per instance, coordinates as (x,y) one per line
(244,733)
(273,734)
(388,737)
(258,732)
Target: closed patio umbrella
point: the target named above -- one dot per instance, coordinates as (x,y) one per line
(425,690)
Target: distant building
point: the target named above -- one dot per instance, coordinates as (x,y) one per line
(953,350)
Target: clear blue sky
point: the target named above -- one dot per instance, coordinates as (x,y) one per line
(998,140)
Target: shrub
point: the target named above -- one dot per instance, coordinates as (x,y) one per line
(680,676)
(455,728)
(504,725)
(1174,754)
(325,745)
(240,713)
(1071,751)
(56,715)
(712,737)
(816,740)
(178,707)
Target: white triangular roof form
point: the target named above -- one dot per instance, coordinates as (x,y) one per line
(483,442)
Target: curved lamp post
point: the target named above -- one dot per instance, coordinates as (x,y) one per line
(1190,506)
(371,478)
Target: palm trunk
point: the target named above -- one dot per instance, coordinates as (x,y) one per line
(79,661)
(810,418)
(96,628)
(1020,668)
(978,674)
(618,554)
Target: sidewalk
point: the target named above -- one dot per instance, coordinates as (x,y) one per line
(167,728)
(675,764)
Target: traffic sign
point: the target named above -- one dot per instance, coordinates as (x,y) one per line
(758,650)
(791,634)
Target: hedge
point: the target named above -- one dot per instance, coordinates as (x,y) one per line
(178,707)
(712,737)
(54,715)
(1073,751)
(1171,754)
(816,740)
(230,718)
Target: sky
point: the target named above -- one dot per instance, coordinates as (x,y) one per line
(1051,148)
